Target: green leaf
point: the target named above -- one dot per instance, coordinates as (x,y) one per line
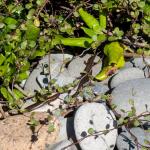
(130,114)
(22,76)
(37,22)
(1,25)
(66,27)
(25,65)
(136,123)
(121,121)
(112,38)
(11,59)
(141,4)
(2,59)
(103,74)
(118,32)
(101,38)
(3,70)
(91,131)
(121,62)
(113,61)
(147,118)
(38,53)
(40,2)
(88,31)
(103,20)
(32,44)
(28,5)
(24,44)
(114,52)
(79,42)
(30,14)
(18,94)
(32,32)
(95,7)
(6,94)
(33,122)
(90,20)
(136,27)
(10,21)
(98,42)
(51,128)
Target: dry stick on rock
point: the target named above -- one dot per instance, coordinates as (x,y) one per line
(40,104)
(85,77)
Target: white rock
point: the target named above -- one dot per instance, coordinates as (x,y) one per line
(64,78)
(126,142)
(139,63)
(43,81)
(77,65)
(99,88)
(137,90)
(126,74)
(57,66)
(31,85)
(98,117)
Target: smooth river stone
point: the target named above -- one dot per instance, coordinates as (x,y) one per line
(137,90)
(99,88)
(139,63)
(57,66)
(126,142)
(125,75)
(78,64)
(98,117)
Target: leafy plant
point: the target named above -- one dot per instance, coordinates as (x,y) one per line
(31,29)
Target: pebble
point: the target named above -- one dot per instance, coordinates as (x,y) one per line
(137,90)
(57,66)
(97,117)
(126,142)
(78,64)
(139,63)
(99,88)
(125,75)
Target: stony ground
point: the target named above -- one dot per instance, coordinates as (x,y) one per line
(87,119)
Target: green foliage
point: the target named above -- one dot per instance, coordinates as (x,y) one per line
(91,131)
(115,58)
(31,29)
(33,122)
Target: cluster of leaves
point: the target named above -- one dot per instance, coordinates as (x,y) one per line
(25,33)
(30,29)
